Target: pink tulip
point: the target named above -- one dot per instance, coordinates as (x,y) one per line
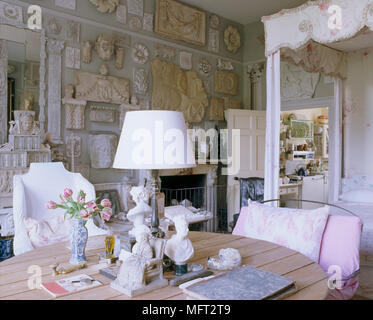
(85,214)
(92,207)
(106,214)
(106,203)
(67,193)
(51,205)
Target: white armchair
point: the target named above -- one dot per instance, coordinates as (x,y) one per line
(44,182)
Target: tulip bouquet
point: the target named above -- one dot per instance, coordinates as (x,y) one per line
(80,209)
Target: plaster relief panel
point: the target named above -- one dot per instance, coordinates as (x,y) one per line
(74,113)
(102,114)
(186,60)
(105,6)
(99,88)
(180,22)
(73,31)
(214,21)
(232,39)
(67,4)
(87,48)
(226,82)
(119,57)
(102,150)
(234,104)
(73,146)
(174,89)
(148,22)
(72,58)
(53,27)
(216,109)
(140,53)
(225,64)
(204,67)
(121,14)
(141,81)
(165,52)
(214,41)
(135,23)
(105,47)
(136,7)
(11,14)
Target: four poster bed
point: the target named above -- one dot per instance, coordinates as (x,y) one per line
(333,37)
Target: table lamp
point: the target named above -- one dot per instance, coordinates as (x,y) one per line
(154,140)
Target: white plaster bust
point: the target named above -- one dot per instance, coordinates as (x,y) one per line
(137,214)
(179,248)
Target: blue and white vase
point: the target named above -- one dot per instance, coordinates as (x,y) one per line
(78,241)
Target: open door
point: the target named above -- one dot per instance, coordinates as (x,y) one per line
(252,126)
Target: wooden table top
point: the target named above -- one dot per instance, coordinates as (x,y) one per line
(311,280)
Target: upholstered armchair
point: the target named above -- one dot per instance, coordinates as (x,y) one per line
(44,182)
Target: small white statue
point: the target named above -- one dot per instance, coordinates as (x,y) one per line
(137,214)
(131,274)
(179,248)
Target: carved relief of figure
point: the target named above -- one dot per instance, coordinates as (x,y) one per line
(70,91)
(87,51)
(105,6)
(105,47)
(24,123)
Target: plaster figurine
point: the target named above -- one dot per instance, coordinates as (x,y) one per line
(137,214)
(179,248)
(105,47)
(131,275)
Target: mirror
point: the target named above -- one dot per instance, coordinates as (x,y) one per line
(23,64)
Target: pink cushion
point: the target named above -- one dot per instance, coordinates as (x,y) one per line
(299,230)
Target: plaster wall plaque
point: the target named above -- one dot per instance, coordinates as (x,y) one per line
(55,48)
(102,150)
(165,52)
(148,22)
(119,57)
(226,82)
(174,89)
(234,104)
(177,21)
(102,114)
(53,26)
(67,4)
(135,23)
(105,6)
(140,53)
(214,21)
(73,142)
(3,91)
(121,14)
(136,7)
(87,51)
(204,67)
(225,64)
(141,81)
(11,14)
(74,113)
(73,31)
(232,39)
(216,109)
(72,58)
(214,41)
(123,40)
(99,88)
(105,47)
(186,60)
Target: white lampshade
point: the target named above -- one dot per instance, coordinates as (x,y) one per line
(154,140)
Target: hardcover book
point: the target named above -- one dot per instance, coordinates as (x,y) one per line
(244,283)
(77,283)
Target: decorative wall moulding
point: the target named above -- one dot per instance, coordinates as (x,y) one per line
(174,89)
(214,41)
(98,88)
(121,14)
(102,150)
(165,52)
(87,47)
(180,22)
(105,6)
(225,64)
(11,14)
(135,23)
(148,22)
(204,67)
(73,31)
(72,58)
(141,81)
(186,60)
(105,47)
(232,39)
(67,4)
(136,7)
(214,21)
(216,109)
(226,82)
(140,53)
(74,113)
(102,114)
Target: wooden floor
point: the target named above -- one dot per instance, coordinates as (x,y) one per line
(311,281)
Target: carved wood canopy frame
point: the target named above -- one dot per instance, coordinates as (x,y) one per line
(19,23)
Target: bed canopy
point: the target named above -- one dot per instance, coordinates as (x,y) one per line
(316,36)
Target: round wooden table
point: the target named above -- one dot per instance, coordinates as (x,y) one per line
(15,272)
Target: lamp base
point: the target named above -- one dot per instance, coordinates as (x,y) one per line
(155,230)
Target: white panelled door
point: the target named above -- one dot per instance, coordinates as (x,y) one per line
(252,126)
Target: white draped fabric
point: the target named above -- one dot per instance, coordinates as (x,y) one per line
(273,114)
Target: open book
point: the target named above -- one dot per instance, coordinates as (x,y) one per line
(70,285)
(244,283)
